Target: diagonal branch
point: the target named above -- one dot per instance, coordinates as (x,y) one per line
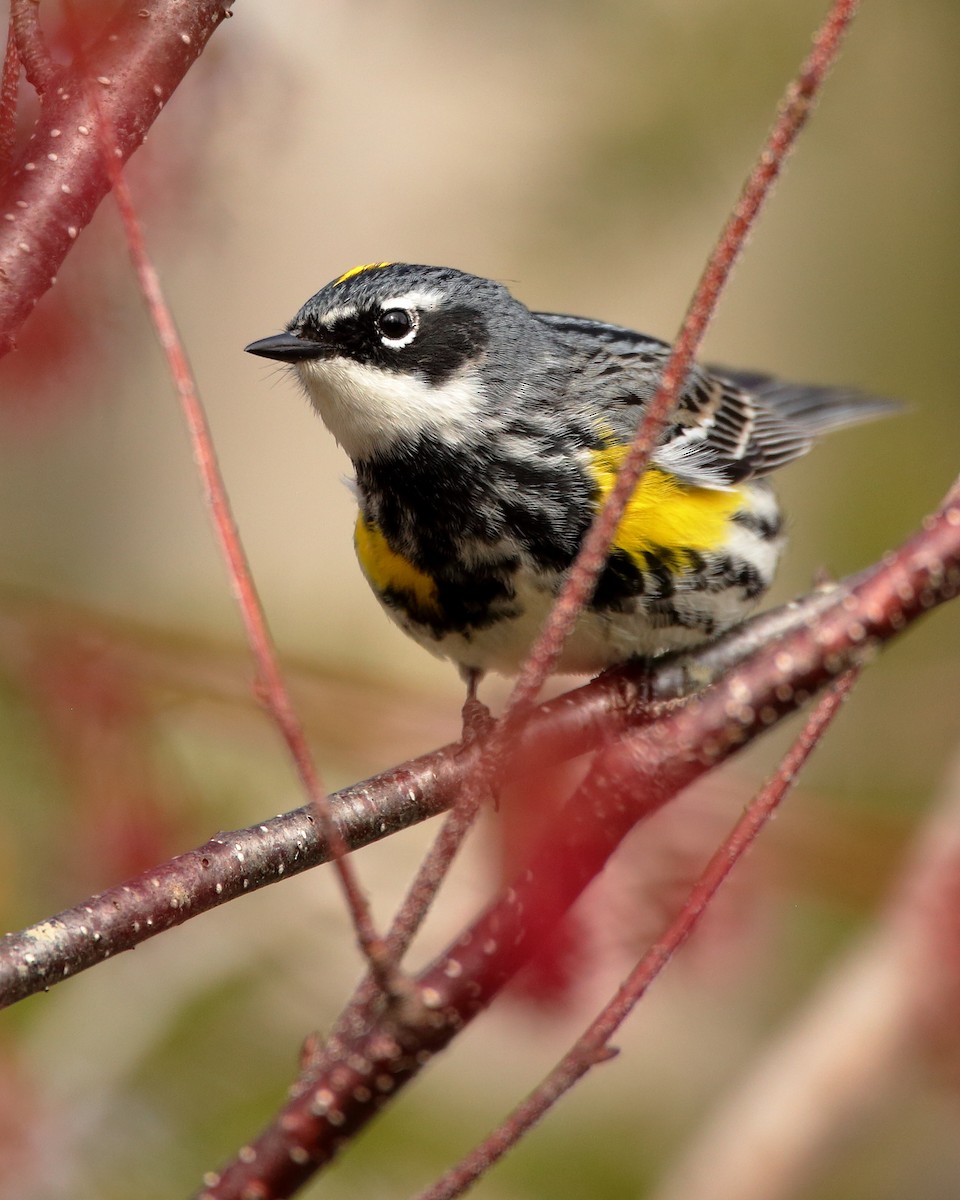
(592,1047)
(794,112)
(54,188)
(233,864)
(38,66)
(378,1054)
(242,861)
(896,993)
(270,680)
(581,578)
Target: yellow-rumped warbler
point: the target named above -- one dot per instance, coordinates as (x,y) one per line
(485,436)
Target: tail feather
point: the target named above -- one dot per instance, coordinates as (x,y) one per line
(814,409)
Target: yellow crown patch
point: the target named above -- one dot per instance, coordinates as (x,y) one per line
(359,271)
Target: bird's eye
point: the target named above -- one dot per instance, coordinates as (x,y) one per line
(397,326)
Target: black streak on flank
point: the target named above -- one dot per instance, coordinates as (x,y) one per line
(619,583)
(765,527)
(465,604)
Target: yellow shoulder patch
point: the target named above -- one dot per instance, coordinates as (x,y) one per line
(387,571)
(359,271)
(664,514)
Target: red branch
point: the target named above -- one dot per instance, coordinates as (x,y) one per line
(52,193)
(578,586)
(633,778)
(57,183)
(240,862)
(592,1047)
(270,683)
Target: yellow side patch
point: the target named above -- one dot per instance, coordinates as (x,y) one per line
(359,271)
(664,514)
(388,571)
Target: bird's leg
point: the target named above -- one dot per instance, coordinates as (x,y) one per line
(477,719)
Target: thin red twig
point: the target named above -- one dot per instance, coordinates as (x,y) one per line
(632,778)
(592,1046)
(270,683)
(794,111)
(38,66)
(240,861)
(370,1061)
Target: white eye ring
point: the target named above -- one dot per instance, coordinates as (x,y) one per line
(404,330)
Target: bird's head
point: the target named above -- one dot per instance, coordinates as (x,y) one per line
(391,352)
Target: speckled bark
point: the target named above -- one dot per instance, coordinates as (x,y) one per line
(56,183)
(350,1081)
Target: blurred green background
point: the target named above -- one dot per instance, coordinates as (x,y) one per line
(587,155)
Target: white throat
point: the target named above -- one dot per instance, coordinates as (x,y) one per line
(368,409)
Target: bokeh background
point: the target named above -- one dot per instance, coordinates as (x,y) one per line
(586,154)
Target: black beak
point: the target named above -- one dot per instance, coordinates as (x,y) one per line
(286,347)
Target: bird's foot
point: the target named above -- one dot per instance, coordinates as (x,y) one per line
(478,721)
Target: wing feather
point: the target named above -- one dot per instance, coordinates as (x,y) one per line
(729,426)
